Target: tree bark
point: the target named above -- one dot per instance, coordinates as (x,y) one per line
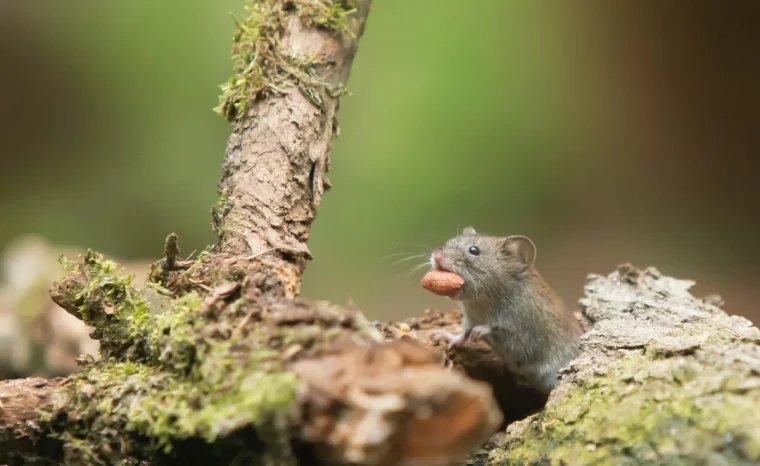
(275,168)
(20,420)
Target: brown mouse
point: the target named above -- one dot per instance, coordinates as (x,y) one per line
(506,303)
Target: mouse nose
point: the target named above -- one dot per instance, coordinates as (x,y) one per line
(438,259)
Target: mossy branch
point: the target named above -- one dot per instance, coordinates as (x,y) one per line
(99,295)
(292,60)
(262,66)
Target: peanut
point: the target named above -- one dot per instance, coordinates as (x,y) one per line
(442,283)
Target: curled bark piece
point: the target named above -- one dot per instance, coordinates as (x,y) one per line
(514,399)
(392,404)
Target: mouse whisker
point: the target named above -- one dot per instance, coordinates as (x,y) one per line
(418,268)
(391,256)
(404,259)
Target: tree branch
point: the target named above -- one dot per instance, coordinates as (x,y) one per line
(21,438)
(277,160)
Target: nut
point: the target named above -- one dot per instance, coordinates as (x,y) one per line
(442,283)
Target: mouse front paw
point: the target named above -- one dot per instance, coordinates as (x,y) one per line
(454,341)
(479,332)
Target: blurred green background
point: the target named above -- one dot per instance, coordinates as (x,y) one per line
(606,131)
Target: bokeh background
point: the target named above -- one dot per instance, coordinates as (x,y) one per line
(606,131)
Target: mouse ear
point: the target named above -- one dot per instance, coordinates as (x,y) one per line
(469,231)
(521,249)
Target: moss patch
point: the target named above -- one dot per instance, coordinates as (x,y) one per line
(103,297)
(180,377)
(121,410)
(260,65)
(640,416)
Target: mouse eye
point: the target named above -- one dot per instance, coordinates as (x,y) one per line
(474,250)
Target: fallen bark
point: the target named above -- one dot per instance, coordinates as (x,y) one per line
(664,378)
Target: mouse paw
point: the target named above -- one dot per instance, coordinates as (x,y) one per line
(479,331)
(453,340)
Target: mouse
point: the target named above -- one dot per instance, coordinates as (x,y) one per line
(507,304)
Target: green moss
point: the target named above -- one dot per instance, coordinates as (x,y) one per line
(261,67)
(203,387)
(635,414)
(104,298)
(172,334)
(189,374)
(188,409)
(107,292)
(119,410)
(329,14)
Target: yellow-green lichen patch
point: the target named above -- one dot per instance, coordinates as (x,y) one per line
(636,414)
(210,409)
(115,410)
(260,66)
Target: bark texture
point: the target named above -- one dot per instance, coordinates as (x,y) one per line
(20,420)
(277,160)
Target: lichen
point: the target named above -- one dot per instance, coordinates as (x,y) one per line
(118,410)
(636,413)
(261,66)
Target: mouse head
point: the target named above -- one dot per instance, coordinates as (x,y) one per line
(488,264)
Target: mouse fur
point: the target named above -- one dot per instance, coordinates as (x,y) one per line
(506,302)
